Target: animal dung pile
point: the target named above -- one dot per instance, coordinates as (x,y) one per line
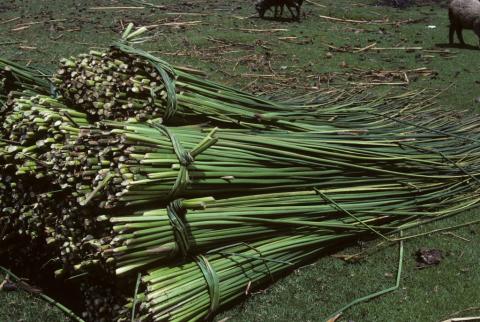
(143,179)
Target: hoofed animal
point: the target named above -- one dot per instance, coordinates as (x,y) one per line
(263,5)
(464,14)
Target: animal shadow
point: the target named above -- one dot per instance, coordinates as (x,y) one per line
(459,46)
(280,19)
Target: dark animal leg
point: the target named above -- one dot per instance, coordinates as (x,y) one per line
(276,12)
(450,34)
(459,35)
(281,10)
(452,26)
(298,12)
(261,13)
(291,12)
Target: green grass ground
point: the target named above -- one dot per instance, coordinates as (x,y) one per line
(270,56)
(22,306)
(429,294)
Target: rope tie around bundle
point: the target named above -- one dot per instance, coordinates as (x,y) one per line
(185,158)
(175,213)
(213,282)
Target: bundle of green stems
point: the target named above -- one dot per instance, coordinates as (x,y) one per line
(192,226)
(134,164)
(198,288)
(208,191)
(126,82)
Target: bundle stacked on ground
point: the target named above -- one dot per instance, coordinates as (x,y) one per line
(134,164)
(16,196)
(245,189)
(15,77)
(131,163)
(198,288)
(192,226)
(125,82)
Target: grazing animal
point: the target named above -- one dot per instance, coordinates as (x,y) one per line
(464,14)
(263,5)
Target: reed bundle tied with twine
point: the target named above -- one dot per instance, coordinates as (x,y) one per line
(125,82)
(138,166)
(192,226)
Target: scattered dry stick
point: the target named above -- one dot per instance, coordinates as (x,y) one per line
(315,4)
(456,236)
(370,47)
(181,23)
(39,22)
(397,48)
(149,4)
(20,28)
(259,30)
(187,14)
(27,47)
(382,22)
(473,308)
(367,47)
(115,8)
(9,20)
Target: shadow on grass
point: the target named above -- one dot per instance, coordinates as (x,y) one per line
(458,46)
(280,19)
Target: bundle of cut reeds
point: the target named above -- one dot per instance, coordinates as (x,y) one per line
(105,179)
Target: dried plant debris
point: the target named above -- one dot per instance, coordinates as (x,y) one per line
(428,257)
(8,286)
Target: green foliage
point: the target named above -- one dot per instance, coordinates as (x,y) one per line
(21,306)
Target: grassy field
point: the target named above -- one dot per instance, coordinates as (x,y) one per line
(22,306)
(265,56)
